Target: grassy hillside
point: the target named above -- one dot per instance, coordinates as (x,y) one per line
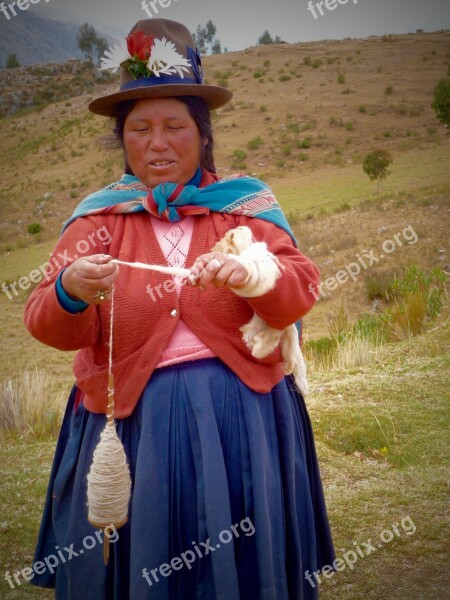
(307,132)
(302,118)
(292,123)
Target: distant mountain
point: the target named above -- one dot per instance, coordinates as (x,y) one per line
(66,16)
(37,39)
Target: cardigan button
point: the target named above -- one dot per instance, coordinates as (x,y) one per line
(174,312)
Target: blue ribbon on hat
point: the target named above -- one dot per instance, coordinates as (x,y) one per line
(154,81)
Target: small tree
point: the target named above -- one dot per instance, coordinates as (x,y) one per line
(12,62)
(210,32)
(216,47)
(265,39)
(90,43)
(376,165)
(204,39)
(441,101)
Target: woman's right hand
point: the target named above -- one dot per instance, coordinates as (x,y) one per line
(87,276)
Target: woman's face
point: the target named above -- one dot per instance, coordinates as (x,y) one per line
(162,141)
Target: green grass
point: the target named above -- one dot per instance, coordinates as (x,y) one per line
(350,184)
(20,351)
(25,472)
(24,260)
(368,491)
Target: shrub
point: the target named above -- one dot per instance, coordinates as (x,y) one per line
(319,353)
(305,143)
(238,159)
(341,78)
(12,62)
(293,218)
(284,77)
(34,228)
(32,403)
(379,286)
(416,298)
(389,90)
(239,155)
(255,143)
(293,127)
(362,108)
(343,207)
(416,279)
(441,101)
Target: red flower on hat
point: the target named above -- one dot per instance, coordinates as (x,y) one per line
(140,44)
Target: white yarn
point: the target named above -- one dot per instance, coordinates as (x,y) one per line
(177,271)
(109,481)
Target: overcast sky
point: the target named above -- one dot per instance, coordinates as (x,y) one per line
(240,22)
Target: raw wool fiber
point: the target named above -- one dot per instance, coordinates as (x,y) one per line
(257,335)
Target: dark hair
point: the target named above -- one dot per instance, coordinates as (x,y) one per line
(199,111)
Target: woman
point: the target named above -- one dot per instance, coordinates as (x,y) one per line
(226,496)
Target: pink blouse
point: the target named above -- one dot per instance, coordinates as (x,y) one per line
(175,239)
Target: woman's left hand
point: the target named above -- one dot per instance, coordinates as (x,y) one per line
(220,269)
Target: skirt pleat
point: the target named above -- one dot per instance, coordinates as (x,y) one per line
(227,501)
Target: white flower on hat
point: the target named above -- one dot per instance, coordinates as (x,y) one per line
(113,58)
(164,59)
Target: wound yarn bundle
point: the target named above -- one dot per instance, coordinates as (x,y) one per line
(109,479)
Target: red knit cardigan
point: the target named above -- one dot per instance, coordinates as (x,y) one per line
(144,324)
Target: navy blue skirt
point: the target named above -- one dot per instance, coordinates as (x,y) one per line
(227,501)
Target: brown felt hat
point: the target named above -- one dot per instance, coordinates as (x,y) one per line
(159,60)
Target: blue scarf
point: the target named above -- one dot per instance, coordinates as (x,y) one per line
(236,195)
